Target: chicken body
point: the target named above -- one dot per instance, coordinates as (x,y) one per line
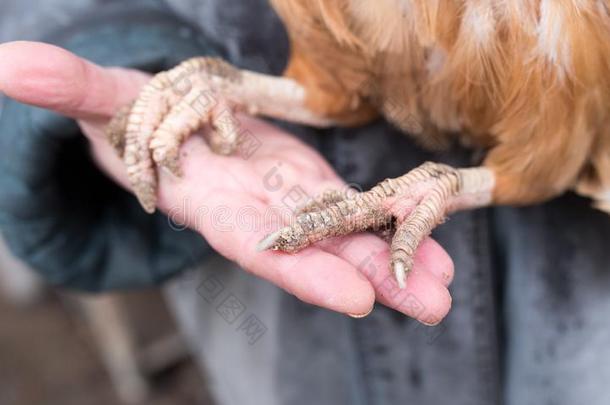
(526,80)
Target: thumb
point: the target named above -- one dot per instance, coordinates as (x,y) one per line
(50,77)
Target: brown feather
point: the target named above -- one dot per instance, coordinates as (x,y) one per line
(527,79)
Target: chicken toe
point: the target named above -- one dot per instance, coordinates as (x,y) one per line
(413,204)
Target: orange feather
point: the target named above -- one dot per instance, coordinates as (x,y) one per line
(528,80)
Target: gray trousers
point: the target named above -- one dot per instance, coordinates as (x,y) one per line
(529,324)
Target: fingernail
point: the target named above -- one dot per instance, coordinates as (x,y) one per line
(432,322)
(358,316)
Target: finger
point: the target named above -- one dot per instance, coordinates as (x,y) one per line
(432,257)
(314,276)
(233,224)
(359,249)
(50,77)
(425,297)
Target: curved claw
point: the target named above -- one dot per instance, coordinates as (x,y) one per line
(117,127)
(147,196)
(269,242)
(149,132)
(400,274)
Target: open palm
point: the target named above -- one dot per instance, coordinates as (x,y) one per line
(234,201)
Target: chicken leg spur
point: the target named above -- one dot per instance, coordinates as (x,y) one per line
(526,81)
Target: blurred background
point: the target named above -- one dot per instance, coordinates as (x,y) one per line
(67,349)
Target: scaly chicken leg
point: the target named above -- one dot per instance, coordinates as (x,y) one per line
(417,201)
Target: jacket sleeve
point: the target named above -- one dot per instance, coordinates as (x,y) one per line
(57,211)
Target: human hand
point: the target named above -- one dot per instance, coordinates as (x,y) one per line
(345,274)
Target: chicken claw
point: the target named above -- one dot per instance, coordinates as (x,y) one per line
(198,92)
(173,105)
(417,202)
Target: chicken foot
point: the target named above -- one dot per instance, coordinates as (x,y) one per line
(417,201)
(198,92)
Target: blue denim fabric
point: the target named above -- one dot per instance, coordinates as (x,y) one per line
(57,211)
